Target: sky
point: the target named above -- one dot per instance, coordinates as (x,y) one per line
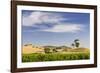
(55,28)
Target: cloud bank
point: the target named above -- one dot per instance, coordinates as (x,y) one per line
(41,17)
(65,28)
(50,22)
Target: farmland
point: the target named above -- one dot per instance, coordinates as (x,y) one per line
(33,53)
(40,57)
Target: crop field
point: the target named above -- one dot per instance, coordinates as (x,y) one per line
(40,57)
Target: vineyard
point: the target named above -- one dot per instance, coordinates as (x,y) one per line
(40,57)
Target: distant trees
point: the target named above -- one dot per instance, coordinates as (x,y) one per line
(50,50)
(54,50)
(76,43)
(72,45)
(47,50)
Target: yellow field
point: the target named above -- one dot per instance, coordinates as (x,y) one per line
(32,49)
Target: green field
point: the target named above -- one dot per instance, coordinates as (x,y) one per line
(35,57)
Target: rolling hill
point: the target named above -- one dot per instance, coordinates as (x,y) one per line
(29,48)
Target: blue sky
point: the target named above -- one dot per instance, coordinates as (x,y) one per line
(55,28)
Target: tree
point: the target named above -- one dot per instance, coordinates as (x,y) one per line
(47,50)
(72,45)
(77,44)
(54,50)
(76,41)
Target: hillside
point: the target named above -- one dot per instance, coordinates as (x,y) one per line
(29,48)
(80,50)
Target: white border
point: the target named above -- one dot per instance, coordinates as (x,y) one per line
(54,63)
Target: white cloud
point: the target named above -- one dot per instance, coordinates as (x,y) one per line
(41,17)
(36,18)
(65,28)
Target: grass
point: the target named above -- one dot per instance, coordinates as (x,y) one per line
(34,57)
